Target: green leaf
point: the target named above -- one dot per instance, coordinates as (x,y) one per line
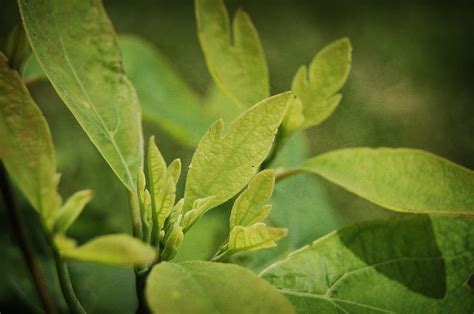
(162,184)
(255,237)
(200,207)
(69,212)
(405,180)
(205,287)
(317,86)
(247,208)
(146,208)
(172,243)
(415,264)
(294,118)
(26,147)
(165,97)
(236,61)
(77,48)
(112,249)
(224,163)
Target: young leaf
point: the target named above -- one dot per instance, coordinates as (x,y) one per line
(76,46)
(162,184)
(172,243)
(415,264)
(146,208)
(405,180)
(255,237)
(113,249)
(317,86)
(200,207)
(246,209)
(236,61)
(205,287)
(26,147)
(223,164)
(69,212)
(165,97)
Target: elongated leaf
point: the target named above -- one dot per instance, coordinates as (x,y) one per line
(405,180)
(69,212)
(205,287)
(165,97)
(113,249)
(236,62)
(76,46)
(247,208)
(224,163)
(409,265)
(162,184)
(26,147)
(317,86)
(255,237)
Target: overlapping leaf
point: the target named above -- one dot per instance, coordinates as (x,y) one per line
(224,162)
(205,287)
(414,264)
(77,48)
(236,61)
(405,180)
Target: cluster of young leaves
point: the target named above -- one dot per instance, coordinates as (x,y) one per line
(425,267)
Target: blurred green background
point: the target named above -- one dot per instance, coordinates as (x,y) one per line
(411,85)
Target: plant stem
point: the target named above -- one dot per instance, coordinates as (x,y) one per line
(66,286)
(287,173)
(18,227)
(135,215)
(140,280)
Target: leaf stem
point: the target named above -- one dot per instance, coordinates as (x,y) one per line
(135,215)
(287,173)
(18,227)
(66,286)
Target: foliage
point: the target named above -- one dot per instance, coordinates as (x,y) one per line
(416,263)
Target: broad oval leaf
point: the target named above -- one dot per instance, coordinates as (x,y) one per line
(236,61)
(112,249)
(223,163)
(26,147)
(317,86)
(248,207)
(165,97)
(205,287)
(415,264)
(77,48)
(405,180)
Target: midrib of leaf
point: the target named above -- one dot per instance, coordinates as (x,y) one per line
(190,276)
(228,157)
(107,133)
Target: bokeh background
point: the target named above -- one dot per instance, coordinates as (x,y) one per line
(411,85)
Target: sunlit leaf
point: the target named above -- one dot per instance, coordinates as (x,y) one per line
(113,249)
(415,264)
(205,287)
(225,161)
(26,147)
(405,180)
(76,46)
(317,87)
(69,212)
(255,237)
(236,61)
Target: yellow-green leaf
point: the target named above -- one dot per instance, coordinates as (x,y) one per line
(113,249)
(205,287)
(405,180)
(414,264)
(255,237)
(26,147)
(77,48)
(248,207)
(223,163)
(172,243)
(236,62)
(69,212)
(317,87)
